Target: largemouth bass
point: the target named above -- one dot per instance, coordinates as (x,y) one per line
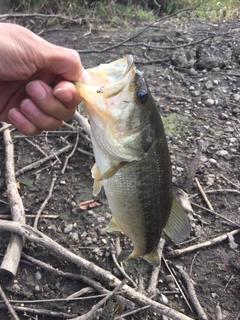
(132,157)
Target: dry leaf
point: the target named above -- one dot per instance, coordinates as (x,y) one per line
(89,204)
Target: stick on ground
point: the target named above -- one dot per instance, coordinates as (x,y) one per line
(12,256)
(178,252)
(34,235)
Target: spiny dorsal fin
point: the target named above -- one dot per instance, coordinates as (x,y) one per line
(177,227)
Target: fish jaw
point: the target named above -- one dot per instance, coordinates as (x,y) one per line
(115,116)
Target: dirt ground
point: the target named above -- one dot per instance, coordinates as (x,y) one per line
(193,73)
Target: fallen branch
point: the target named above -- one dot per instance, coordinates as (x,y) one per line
(12,256)
(32,234)
(178,252)
(192,294)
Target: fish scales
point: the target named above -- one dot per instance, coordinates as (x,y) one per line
(132,158)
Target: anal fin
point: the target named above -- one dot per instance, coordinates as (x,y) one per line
(113,228)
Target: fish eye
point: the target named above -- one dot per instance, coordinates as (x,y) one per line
(142,95)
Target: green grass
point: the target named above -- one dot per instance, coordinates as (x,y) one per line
(211,10)
(114,12)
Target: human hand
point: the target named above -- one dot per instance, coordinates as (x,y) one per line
(36,89)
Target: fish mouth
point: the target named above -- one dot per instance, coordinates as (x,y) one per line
(108,81)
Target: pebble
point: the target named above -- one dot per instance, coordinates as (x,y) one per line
(233,150)
(163,299)
(37,288)
(15,287)
(89,241)
(195,93)
(214,295)
(68,228)
(62,182)
(215,82)
(209,102)
(191,88)
(38,275)
(212,161)
(100,219)
(75,236)
(209,85)
(223,115)
(222,153)
(169,279)
(236,97)
(84,234)
(171,286)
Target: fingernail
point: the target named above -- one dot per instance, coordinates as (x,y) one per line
(63,94)
(35,90)
(29,108)
(16,117)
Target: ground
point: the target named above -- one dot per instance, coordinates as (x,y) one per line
(192,69)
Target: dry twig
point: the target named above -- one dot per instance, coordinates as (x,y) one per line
(78,277)
(100,303)
(38,163)
(71,154)
(42,312)
(31,216)
(178,252)
(216,214)
(194,164)
(83,122)
(120,269)
(218,313)
(152,287)
(192,295)
(45,201)
(177,282)
(204,195)
(12,256)
(34,235)
(10,308)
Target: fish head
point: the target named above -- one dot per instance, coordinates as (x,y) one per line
(121,109)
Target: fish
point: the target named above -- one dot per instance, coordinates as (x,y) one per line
(132,158)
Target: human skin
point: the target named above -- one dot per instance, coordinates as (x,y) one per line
(36,89)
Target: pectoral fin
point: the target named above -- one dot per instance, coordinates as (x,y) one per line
(177,227)
(113,228)
(97,184)
(112,171)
